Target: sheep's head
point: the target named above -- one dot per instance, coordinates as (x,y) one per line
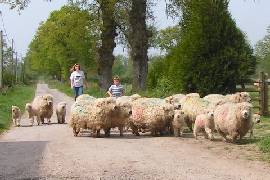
(48,99)
(15,109)
(245,109)
(28,107)
(256,118)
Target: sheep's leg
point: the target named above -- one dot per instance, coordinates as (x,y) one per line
(234,136)
(209,133)
(19,122)
(14,122)
(121,129)
(107,132)
(189,124)
(134,129)
(32,121)
(49,120)
(63,119)
(76,131)
(223,135)
(98,133)
(38,120)
(251,133)
(176,132)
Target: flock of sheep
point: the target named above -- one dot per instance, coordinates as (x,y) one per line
(231,115)
(41,108)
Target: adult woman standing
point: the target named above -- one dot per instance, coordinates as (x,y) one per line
(77,80)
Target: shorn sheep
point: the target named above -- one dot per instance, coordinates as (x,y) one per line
(205,123)
(233,120)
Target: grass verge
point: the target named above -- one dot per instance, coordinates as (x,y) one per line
(18,96)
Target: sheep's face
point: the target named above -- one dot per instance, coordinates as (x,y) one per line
(244,97)
(48,99)
(245,114)
(15,109)
(124,108)
(210,114)
(256,118)
(168,111)
(178,115)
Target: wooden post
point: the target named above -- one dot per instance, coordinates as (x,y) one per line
(262,99)
(1,60)
(265,95)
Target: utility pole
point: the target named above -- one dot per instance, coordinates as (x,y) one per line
(12,61)
(1,60)
(16,68)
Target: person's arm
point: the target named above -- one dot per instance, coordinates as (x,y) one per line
(71,81)
(109,91)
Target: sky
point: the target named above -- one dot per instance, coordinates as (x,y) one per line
(252,16)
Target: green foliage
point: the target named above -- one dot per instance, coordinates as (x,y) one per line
(262,52)
(264,145)
(213,54)
(18,96)
(123,68)
(68,36)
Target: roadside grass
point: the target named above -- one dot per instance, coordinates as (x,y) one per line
(18,96)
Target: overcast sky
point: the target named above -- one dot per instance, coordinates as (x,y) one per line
(253,17)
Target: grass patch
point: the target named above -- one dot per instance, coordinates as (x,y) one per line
(18,96)
(264,145)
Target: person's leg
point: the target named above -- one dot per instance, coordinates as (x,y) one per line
(80,91)
(76,90)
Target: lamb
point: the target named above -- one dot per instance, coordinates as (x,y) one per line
(178,122)
(205,123)
(233,119)
(16,115)
(256,118)
(43,108)
(31,113)
(152,114)
(61,112)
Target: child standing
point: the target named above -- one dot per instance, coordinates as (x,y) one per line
(116,90)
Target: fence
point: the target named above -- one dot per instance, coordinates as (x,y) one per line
(259,91)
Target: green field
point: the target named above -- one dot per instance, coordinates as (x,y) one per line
(18,96)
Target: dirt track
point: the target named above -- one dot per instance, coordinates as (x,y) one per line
(51,152)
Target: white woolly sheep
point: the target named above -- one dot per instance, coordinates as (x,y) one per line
(256,118)
(61,112)
(233,119)
(205,123)
(31,113)
(179,122)
(43,107)
(152,114)
(16,115)
(175,100)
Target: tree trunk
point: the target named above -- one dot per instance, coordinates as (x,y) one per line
(138,40)
(106,57)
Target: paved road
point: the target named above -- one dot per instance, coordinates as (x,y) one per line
(51,152)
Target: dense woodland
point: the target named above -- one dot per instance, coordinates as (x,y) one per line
(205,52)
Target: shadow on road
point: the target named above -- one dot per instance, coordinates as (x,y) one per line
(21,160)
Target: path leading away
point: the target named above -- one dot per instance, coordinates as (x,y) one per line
(51,152)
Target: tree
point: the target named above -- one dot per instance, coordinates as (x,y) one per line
(108,34)
(213,54)
(68,36)
(262,51)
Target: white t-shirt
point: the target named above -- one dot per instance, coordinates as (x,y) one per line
(77,77)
